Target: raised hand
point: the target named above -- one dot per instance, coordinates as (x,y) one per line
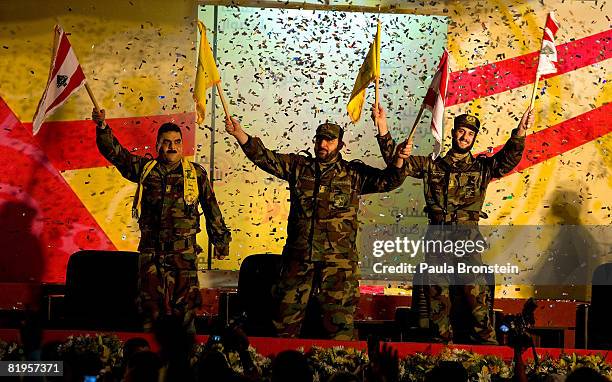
(526,121)
(232,126)
(384,363)
(379,116)
(98,116)
(402,152)
(221,252)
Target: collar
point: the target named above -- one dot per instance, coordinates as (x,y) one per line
(457,160)
(166,168)
(324,165)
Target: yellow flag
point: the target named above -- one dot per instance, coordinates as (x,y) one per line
(370,69)
(207,74)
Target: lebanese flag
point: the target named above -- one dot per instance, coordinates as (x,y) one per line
(435,100)
(548,53)
(65,78)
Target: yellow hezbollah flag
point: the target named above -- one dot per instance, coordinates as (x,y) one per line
(370,69)
(207,74)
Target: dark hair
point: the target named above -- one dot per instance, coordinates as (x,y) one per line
(447,371)
(134,345)
(343,376)
(166,127)
(291,365)
(143,367)
(585,374)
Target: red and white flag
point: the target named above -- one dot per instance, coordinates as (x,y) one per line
(65,78)
(435,100)
(548,53)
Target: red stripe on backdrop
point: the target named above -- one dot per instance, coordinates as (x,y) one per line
(565,136)
(42,220)
(71,145)
(483,81)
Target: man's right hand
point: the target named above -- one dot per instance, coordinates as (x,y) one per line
(380,119)
(99,116)
(232,126)
(402,152)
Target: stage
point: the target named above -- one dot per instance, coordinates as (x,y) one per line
(556,320)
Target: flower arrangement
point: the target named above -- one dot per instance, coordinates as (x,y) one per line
(566,363)
(108,348)
(327,361)
(11,351)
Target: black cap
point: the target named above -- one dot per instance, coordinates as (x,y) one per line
(468,121)
(330,131)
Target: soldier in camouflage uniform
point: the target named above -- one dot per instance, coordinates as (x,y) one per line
(455,187)
(320,251)
(166,205)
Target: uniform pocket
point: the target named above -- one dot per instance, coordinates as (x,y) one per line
(304,193)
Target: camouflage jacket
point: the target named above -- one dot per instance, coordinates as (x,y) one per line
(455,191)
(324,200)
(166,222)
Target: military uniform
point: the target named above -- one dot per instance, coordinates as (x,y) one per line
(168,227)
(455,188)
(321,234)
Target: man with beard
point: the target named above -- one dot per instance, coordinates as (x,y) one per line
(170,188)
(454,188)
(320,252)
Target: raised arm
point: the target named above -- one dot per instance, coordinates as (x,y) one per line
(128,164)
(413,165)
(218,233)
(385,141)
(270,161)
(511,154)
(374,180)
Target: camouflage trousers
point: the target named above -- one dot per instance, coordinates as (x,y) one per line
(473,300)
(337,297)
(168,285)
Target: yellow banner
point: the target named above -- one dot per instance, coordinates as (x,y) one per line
(207,74)
(370,69)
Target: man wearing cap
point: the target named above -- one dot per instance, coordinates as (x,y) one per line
(454,187)
(168,196)
(322,227)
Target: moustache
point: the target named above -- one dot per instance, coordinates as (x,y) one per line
(171,152)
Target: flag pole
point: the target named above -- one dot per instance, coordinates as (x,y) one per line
(416,122)
(223,102)
(537,79)
(377,96)
(535,90)
(377,79)
(93,99)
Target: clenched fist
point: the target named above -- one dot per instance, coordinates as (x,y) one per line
(98,116)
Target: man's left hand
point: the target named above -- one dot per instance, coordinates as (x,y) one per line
(221,252)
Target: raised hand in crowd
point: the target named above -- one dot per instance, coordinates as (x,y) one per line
(384,363)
